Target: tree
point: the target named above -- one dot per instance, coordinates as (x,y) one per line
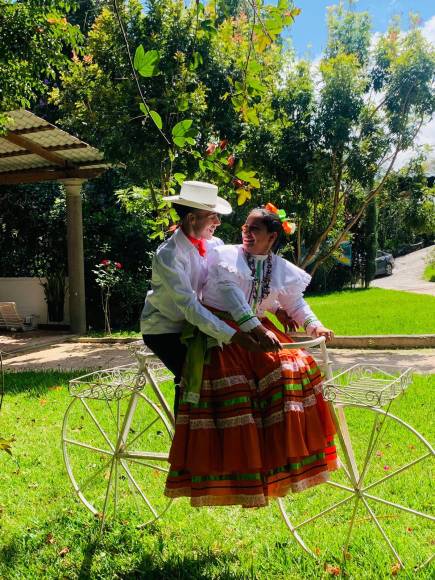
(406,207)
(330,150)
(159,90)
(35,39)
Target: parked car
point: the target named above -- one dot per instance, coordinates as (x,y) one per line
(384,263)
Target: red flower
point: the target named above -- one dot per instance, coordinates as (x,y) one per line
(238,183)
(118,265)
(231,160)
(105,262)
(223,144)
(211,148)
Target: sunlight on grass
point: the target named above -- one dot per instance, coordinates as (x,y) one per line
(45,532)
(375,311)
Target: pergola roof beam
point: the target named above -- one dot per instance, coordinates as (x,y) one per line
(28,130)
(36,149)
(65,147)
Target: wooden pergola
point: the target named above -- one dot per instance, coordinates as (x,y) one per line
(33,150)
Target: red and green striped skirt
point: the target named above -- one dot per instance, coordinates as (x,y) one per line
(260,429)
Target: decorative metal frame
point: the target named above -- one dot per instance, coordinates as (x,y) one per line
(364,386)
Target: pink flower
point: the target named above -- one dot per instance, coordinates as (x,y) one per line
(118,265)
(387,468)
(211,148)
(223,144)
(231,160)
(105,262)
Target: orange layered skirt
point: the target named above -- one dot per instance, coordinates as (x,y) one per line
(260,429)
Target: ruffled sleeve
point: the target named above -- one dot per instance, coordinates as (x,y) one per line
(288,278)
(228,285)
(230,263)
(290,283)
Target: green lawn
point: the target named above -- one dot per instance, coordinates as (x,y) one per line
(363,312)
(375,311)
(46,533)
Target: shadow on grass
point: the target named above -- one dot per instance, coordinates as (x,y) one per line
(202,567)
(122,552)
(37,383)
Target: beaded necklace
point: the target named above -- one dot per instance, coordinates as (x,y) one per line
(260,286)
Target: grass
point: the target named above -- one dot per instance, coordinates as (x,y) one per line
(429,273)
(362,312)
(375,311)
(114,334)
(46,533)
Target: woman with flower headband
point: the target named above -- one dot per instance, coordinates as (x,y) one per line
(255,425)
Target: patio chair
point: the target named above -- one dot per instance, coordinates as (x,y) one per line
(10,319)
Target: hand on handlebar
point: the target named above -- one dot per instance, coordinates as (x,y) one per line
(322,331)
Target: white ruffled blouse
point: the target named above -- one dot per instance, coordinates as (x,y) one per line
(230,281)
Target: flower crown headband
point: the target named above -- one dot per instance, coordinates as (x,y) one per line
(288,226)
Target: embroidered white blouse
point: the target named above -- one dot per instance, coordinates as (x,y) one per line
(230,281)
(178,276)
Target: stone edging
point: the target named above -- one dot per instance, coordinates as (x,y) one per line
(380,341)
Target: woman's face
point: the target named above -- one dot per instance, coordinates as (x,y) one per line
(255,237)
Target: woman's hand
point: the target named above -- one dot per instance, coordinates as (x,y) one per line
(267,339)
(322,331)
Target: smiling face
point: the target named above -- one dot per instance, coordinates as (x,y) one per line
(203,223)
(256,239)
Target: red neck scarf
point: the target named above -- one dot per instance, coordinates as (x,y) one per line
(199,245)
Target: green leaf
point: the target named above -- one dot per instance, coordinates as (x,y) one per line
(252,116)
(255,84)
(254,182)
(157,119)
(144,109)
(181,128)
(179,177)
(146,63)
(190,140)
(138,57)
(179,141)
(245,175)
(254,67)
(182,102)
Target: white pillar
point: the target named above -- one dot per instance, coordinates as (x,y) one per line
(76,269)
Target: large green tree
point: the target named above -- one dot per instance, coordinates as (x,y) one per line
(337,130)
(171,91)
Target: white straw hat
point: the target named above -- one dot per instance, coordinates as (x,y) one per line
(201,195)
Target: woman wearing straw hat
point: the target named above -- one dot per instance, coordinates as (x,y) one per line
(179,271)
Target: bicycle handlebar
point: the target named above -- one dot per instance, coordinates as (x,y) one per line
(304,343)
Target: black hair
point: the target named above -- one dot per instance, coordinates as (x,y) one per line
(183,210)
(273,224)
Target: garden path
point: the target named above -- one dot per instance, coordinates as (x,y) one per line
(70,355)
(408,274)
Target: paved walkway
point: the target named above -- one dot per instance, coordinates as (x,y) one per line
(68,355)
(408,274)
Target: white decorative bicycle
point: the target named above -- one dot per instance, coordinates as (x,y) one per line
(118,429)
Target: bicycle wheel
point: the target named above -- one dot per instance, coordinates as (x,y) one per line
(116,456)
(378,505)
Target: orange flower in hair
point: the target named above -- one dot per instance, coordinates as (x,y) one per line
(287,226)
